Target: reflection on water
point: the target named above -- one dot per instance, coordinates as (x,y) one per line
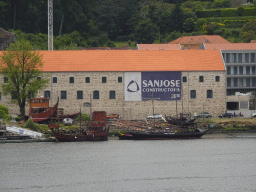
(174,165)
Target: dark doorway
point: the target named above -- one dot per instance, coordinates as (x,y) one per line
(232,105)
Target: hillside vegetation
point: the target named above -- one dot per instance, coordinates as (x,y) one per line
(97,23)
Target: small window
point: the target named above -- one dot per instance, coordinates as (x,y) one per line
(228,82)
(38,78)
(184,79)
(246,57)
(227,57)
(104,79)
(233,57)
(253,70)
(235,70)
(252,57)
(248,82)
(63,94)
(120,79)
(209,93)
(253,82)
(87,79)
(241,70)
(71,80)
(54,80)
(248,70)
(217,78)
(112,95)
(30,95)
(79,94)
(235,82)
(241,82)
(228,70)
(193,94)
(96,95)
(201,78)
(47,94)
(5,79)
(14,95)
(240,57)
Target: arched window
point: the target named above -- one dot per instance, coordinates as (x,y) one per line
(96,95)
(112,94)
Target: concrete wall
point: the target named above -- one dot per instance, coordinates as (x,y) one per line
(131,109)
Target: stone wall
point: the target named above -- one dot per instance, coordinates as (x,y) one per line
(131,109)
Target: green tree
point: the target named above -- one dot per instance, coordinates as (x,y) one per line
(4,112)
(189,25)
(146,31)
(247,36)
(177,18)
(22,69)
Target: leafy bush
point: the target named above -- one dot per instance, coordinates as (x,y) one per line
(18,118)
(32,125)
(85,117)
(4,113)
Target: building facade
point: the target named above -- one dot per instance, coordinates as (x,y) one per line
(198,88)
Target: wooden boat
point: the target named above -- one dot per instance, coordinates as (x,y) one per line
(125,136)
(154,135)
(39,109)
(95,130)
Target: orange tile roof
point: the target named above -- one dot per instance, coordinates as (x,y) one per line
(186,40)
(231,46)
(133,60)
(175,60)
(158,47)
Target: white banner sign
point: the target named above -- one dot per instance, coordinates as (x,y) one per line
(132,86)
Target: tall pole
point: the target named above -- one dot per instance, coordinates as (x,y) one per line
(50,25)
(153,109)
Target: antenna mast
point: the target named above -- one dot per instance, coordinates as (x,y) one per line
(50,25)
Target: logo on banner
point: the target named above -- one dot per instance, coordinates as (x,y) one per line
(133,86)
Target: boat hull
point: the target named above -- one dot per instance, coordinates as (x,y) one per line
(167,136)
(79,137)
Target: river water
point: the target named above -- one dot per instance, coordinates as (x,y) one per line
(168,165)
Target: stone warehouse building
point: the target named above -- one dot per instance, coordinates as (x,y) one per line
(125,82)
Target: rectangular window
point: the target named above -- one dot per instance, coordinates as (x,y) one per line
(96,95)
(254,82)
(248,70)
(14,95)
(235,70)
(184,79)
(71,80)
(241,82)
(252,57)
(228,70)
(104,79)
(209,93)
(112,95)
(246,57)
(54,80)
(253,70)
(47,94)
(240,57)
(227,57)
(63,94)
(217,78)
(248,82)
(120,79)
(228,82)
(233,57)
(87,79)
(201,78)
(79,94)
(235,82)
(241,70)
(5,79)
(193,94)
